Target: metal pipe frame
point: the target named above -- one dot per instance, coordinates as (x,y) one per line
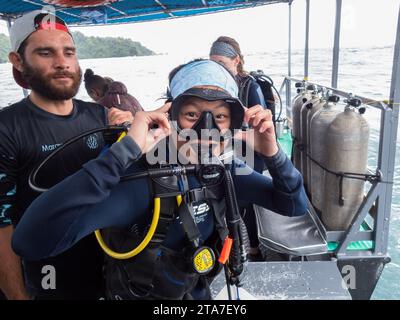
(337,236)
(387,150)
(336,45)
(290,41)
(354,228)
(306,50)
(172,11)
(287,83)
(346,94)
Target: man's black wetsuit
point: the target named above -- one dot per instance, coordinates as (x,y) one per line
(27,135)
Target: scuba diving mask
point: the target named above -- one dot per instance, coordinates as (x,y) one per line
(210,81)
(207,119)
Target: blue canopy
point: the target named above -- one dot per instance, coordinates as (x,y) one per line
(90,12)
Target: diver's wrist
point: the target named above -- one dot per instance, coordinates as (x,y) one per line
(270,150)
(275,160)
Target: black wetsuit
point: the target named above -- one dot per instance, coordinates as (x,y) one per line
(27,135)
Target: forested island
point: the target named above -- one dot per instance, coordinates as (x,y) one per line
(92,47)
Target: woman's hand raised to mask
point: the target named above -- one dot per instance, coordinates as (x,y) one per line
(262,138)
(141,131)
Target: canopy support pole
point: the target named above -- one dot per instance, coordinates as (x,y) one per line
(387,151)
(336,45)
(307,40)
(288,83)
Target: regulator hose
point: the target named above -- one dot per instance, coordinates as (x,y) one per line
(233,223)
(32,177)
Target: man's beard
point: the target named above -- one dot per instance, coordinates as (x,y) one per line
(42,83)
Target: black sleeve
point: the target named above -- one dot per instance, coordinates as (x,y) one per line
(8,176)
(255,95)
(88,200)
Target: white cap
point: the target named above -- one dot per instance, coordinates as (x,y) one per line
(24,26)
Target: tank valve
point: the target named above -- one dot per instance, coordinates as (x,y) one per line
(333,98)
(311,87)
(354,102)
(362,110)
(299,86)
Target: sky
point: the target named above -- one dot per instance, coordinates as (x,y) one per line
(364,23)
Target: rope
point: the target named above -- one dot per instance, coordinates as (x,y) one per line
(349,175)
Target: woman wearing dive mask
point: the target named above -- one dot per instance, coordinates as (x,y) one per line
(208,101)
(204,98)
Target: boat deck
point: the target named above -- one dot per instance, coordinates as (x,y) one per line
(302,280)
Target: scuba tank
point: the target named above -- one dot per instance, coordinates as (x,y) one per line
(305,108)
(347,145)
(296,100)
(303,98)
(314,108)
(319,124)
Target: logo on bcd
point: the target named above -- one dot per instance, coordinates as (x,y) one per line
(202,208)
(91,142)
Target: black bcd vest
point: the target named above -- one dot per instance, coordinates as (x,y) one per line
(266,85)
(158,272)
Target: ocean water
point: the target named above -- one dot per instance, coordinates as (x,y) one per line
(363,71)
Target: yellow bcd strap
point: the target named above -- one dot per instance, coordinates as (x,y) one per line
(141,246)
(145,241)
(147,238)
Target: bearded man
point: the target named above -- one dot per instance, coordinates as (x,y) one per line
(44,60)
